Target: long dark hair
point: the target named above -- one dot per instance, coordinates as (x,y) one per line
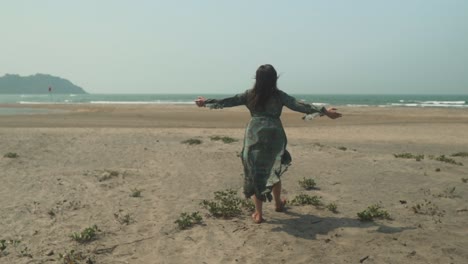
(264,87)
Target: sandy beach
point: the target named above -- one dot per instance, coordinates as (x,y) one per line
(79,166)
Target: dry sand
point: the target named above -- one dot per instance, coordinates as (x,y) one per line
(57,186)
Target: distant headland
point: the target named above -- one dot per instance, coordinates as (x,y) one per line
(37,84)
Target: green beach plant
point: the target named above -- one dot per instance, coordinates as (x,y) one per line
(11,155)
(305,199)
(123,219)
(332,207)
(3,247)
(226,204)
(73,257)
(224,139)
(192,141)
(372,212)
(135,192)
(460,154)
(21,250)
(442,158)
(407,155)
(427,208)
(187,220)
(87,235)
(307,184)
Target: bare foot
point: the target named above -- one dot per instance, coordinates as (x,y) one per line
(257,218)
(281,207)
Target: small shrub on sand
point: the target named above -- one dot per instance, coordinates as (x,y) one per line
(332,207)
(372,212)
(187,220)
(464,180)
(192,141)
(225,139)
(11,155)
(305,199)
(448,160)
(135,192)
(3,247)
(226,204)
(87,235)
(342,148)
(418,157)
(307,184)
(460,154)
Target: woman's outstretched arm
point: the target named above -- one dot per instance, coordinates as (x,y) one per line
(295,105)
(238,99)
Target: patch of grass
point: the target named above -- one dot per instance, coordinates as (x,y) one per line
(460,154)
(372,212)
(87,235)
(226,204)
(332,207)
(225,139)
(135,192)
(192,141)
(437,169)
(11,155)
(464,180)
(307,184)
(448,160)
(342,148)
(187,220)
(407,155)
(305,199)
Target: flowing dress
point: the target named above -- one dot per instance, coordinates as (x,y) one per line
(264,155)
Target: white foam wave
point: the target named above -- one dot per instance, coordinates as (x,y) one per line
(430,105)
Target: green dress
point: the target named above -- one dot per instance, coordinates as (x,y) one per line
(264,155)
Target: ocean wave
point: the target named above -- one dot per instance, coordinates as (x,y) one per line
(433,102)
(430,105)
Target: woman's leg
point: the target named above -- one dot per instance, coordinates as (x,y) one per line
(258,215)
(276,190)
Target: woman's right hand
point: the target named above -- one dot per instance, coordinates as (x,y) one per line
(332,113)
(200,101)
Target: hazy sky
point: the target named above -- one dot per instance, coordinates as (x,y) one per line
(372,46)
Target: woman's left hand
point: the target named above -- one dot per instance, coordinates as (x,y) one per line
(331,113)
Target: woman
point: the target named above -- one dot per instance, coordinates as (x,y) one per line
(264,154)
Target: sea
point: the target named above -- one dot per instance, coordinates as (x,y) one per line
(350,100)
